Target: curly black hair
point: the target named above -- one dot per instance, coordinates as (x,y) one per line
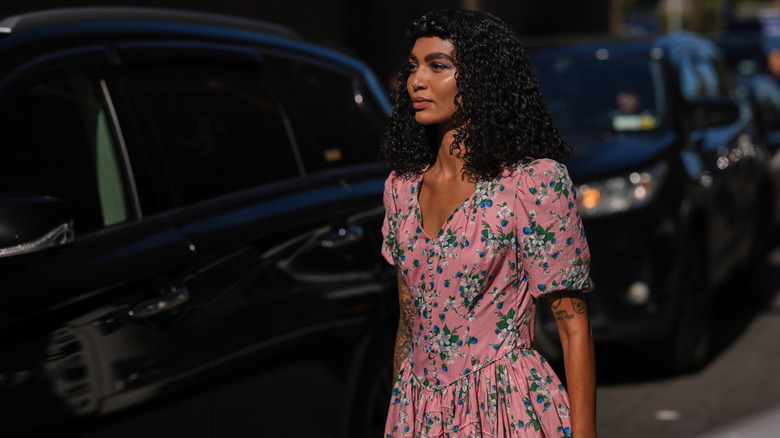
(500,114)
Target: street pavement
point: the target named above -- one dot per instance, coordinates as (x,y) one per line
(736,395)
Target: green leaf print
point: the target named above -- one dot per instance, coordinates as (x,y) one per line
(503,323)
(533,421)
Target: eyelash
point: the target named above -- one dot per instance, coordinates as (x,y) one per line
(434,66)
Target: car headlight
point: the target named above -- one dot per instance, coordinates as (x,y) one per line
(620,193)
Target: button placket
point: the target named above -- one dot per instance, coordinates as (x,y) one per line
(431,253)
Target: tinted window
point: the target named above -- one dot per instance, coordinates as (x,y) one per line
(766,98)
(57,141)
(599,91)
(702,78)
(219,128)
(691,85)
(332,124)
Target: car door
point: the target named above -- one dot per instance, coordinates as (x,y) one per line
(734,163)
(101,323)
(338,117)
(286,266)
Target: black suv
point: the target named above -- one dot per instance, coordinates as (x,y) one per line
(189,229)
(674,185)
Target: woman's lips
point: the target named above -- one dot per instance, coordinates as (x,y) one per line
(420,103)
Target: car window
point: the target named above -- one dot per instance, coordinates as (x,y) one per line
(702,77)
(332,123)
(600,91)
(691,85)
(218,126)
(766,98)
(57,140)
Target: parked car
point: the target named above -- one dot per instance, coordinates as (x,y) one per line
(673,182)
(189,229)
(746,58)
(746,52)
(762,93)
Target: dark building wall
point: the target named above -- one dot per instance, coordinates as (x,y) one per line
(372,30)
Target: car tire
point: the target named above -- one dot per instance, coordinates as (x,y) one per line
(690,343)
(756,271)
(374,389)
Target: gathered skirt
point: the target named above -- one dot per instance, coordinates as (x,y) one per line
(516,395)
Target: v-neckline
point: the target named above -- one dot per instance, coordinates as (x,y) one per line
(421,219)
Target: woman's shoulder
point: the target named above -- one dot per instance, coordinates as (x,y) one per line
(541,169)
(542,182)
(401,188)
(397,181)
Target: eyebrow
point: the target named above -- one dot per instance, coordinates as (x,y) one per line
(431,56)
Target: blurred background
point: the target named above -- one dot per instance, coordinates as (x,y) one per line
(734,390)
(373,30)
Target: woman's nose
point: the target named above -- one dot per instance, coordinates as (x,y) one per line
(416,82)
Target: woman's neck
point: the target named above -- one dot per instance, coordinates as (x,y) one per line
(446,162)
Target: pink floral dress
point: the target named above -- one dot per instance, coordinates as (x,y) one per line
(472,371)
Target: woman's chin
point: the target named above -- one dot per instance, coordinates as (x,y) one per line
(425,120)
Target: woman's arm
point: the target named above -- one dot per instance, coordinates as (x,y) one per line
(579,359)
(403,338)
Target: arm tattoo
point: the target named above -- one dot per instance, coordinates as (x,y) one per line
(562,314)
(578,304)
(403,338)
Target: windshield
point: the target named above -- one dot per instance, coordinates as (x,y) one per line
(598,92)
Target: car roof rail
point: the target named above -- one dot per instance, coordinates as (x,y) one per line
(48,17)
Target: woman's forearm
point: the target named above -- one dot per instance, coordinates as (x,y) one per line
(403,337)
(580,368)
(403,345)
(579,359)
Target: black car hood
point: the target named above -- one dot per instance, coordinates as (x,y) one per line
(601,155)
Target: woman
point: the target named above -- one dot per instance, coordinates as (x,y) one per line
(481,220)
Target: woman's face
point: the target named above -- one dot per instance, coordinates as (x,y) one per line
(431,84)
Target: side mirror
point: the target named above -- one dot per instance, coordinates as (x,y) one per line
(30,223)
(715,113)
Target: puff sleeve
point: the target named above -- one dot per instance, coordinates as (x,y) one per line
(390,222)
(552,247)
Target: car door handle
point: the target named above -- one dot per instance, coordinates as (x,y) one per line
(342,237)
(176,297)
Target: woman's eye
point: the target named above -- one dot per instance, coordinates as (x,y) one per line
(412,66)
(439,66)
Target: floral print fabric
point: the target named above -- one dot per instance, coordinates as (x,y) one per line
(472,370)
